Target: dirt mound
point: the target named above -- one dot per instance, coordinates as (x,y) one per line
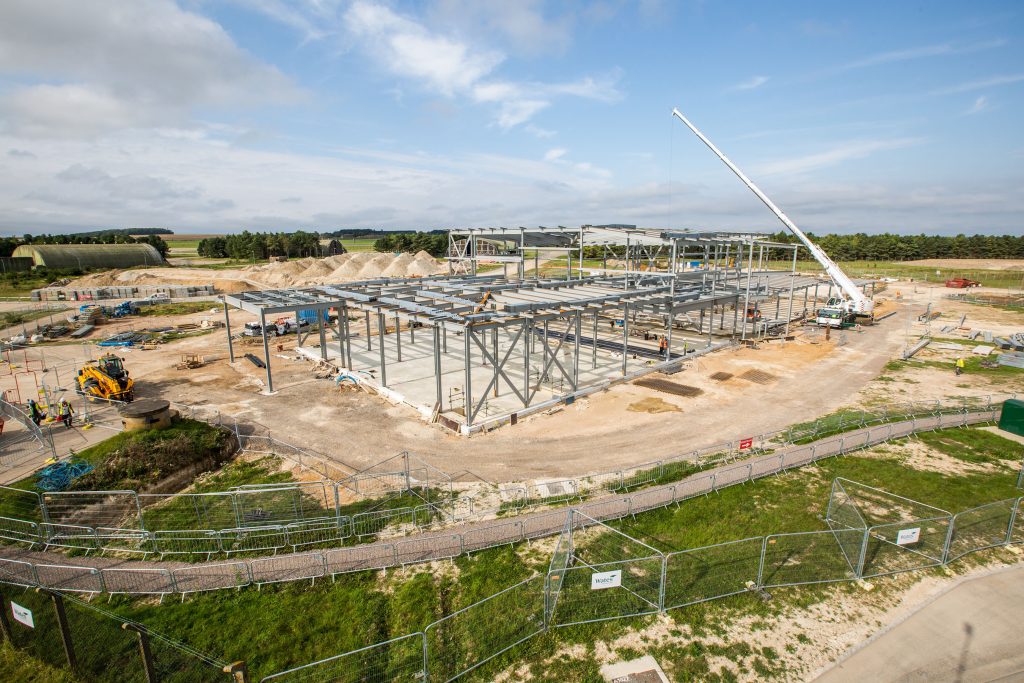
(304,272)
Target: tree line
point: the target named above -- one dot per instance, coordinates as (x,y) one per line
(889,247)
(256,246)
(434,243)
(9,244)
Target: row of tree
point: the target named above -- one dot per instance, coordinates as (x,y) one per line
(9,244)
(434,243)
(890,247)
(255,246)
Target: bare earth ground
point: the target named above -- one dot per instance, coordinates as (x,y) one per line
(624,425)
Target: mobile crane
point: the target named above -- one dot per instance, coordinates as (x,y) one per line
(838,312)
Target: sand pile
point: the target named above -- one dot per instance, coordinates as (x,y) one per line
(364,265)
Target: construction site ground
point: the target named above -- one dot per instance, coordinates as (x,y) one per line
(792,381)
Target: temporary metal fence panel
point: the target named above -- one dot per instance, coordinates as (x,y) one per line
(359,558)
(138,581)
(544,524)
(985,526)
(123,540)
(70,536)
(615,508)
(440,547)
(183,511)
(492,535)
(641,475)
(553,492)
(765,465)
(560,559)
(253,539)
(695,486)
(399,660)
(732,475)
(117,509)
(18,572)
(650,499)
(801,558)
(905,546)
(207,577)
(464,640)
(193,542)
(798,457)
(291,567)
(263,505)
(70,578)
(608,590)
(847,524)
(21,504)
(19,531)
(327,531)
(711,572)
(374,522)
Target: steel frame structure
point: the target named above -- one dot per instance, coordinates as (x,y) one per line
(503,320)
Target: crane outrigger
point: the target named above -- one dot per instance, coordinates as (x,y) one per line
(837,312)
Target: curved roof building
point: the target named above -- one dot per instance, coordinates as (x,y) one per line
(86,256)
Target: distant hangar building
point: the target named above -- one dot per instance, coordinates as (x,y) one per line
(88,256)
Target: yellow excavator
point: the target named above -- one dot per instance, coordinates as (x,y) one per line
(106,378)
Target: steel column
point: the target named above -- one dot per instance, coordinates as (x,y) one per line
(227,327)
(625,335)
(266,351)
(467,393)
(380,343)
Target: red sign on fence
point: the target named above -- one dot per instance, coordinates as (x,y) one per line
(746,443)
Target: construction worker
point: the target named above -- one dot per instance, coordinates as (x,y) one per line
(959,366)
(663,346)
(66,413)
(35,412)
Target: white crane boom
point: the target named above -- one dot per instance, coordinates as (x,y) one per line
(856,301)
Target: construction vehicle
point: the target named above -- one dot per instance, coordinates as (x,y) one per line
(106,378)
(962,283)
(190,362)
(853,303)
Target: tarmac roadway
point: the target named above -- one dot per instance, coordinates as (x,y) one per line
(969,633)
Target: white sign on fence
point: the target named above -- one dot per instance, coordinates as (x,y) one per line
(23,615)
(908,536)
(599,580)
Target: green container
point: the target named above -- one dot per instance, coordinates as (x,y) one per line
(1011,418)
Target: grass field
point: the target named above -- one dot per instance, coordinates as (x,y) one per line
(1007,279)
(290,624)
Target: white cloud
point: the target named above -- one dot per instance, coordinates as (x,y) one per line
(941,50)
(452,67)
(751,83)
(980,105)
(980,84)
(107,65)
(857,149)
(523,26)
(555,153)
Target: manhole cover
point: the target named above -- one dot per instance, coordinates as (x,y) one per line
(721,376)
(758,376)
(669,387)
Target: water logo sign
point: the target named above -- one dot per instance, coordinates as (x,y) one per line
(601,580)
(908,536)
(22,615)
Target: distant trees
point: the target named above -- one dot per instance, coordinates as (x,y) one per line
(247,246)
(890,247)
(434,243)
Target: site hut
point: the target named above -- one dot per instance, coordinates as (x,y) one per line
(476,351)
(89,256)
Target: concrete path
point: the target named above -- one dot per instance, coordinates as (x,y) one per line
(970,632)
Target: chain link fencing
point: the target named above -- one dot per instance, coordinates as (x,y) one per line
(96,645)
(598,572)
(290,505)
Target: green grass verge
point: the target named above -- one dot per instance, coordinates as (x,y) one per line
(11,318)
(16,665)
(292,624)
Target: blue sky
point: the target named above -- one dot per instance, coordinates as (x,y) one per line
(219,115)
